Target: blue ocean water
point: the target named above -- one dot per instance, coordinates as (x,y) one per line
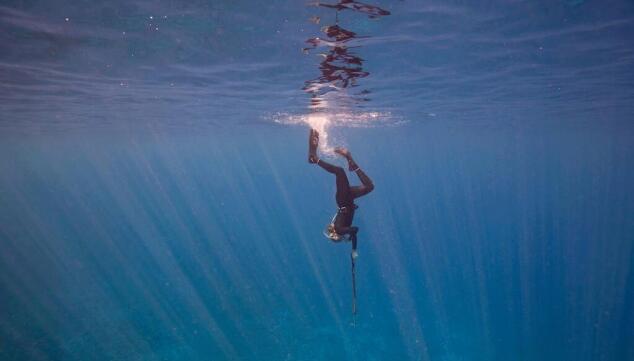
(156,202)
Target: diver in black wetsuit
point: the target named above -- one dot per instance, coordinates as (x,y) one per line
(342,222)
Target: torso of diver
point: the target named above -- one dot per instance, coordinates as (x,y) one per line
(344,216)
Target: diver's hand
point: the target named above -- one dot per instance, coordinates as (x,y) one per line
(354,254)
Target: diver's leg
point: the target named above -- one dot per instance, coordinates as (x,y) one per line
(367,187)
(344,196)
(343,185)
(367,184)
(365,180)
(352,166)
(330,168)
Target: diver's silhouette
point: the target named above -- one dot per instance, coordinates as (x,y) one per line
(341,224)
(340,68)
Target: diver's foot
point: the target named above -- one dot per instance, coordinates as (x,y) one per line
(352,166)
(354,255)
(313,143)
(343,152)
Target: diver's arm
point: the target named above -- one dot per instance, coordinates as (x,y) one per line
(351,231)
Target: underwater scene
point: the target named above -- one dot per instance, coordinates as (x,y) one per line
(432,180)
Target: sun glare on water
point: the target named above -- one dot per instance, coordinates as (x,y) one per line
(320,122)
(324,122)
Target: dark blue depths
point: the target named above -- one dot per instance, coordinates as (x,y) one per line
(478,243)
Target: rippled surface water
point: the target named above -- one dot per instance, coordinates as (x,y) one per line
(227,62)
(156,202)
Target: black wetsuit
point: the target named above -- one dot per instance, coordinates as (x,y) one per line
(345,198)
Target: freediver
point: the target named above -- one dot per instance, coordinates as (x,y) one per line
(341,224)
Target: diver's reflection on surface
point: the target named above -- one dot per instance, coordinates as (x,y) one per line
(371,10)
(340,68)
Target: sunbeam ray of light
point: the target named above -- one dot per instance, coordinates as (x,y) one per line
(167,262)
(327,296)
(401,297)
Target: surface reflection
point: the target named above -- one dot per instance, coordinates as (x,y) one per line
(340,67)
(371,10)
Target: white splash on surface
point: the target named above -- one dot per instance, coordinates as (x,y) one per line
(323,122)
